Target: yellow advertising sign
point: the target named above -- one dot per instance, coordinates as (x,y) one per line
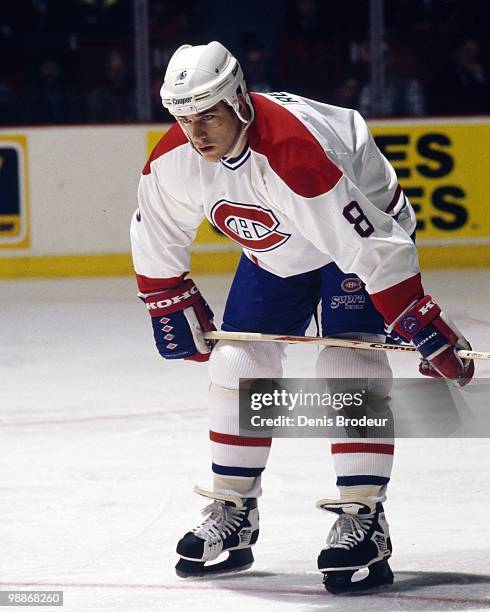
(443,167)
(14,219)
(444,171)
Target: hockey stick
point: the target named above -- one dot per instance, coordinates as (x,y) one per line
(356,344)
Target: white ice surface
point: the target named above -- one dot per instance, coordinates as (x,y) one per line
(101,442)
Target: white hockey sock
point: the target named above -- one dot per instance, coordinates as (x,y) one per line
(238,461)
(363,464)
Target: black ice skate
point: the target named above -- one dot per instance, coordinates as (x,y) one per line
(232,525)
(359,539)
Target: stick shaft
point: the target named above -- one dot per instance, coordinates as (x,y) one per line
(356,344)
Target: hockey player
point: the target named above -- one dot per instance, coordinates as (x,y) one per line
(317,209)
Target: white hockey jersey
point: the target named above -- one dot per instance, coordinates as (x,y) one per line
(311,187)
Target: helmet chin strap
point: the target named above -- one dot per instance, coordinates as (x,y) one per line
(239,144)
(237,147)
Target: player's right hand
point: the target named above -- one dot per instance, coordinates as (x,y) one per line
(179,317)
(438,339)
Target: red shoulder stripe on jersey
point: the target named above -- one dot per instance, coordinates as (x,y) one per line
(393,301)
(172,139)
(292,150)
(394,200)
(151,285)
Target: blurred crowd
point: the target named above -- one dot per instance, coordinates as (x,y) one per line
(72,61)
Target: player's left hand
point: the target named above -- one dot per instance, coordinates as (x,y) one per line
(438,339)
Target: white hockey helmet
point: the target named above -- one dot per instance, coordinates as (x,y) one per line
(199,77)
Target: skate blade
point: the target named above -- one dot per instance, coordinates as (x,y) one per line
(340,583)
(237,561)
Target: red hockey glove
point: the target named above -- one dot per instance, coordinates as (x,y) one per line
(437,338)
(179,317)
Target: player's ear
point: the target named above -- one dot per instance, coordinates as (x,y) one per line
(243,106)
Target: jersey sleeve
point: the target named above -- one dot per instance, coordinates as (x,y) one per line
(372,170)
(162,229)
(376,177)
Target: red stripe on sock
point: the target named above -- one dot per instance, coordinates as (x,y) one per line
(222,438)
(359,447)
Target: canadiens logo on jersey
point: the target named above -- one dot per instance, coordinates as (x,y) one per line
(251,226)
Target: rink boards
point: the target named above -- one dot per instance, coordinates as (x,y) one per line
(67,195)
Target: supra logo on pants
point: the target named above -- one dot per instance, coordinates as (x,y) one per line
(349,302)
(251,226)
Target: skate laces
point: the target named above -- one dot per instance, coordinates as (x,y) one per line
(349,530)
(221,522)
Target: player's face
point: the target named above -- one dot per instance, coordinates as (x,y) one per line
(213,132)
